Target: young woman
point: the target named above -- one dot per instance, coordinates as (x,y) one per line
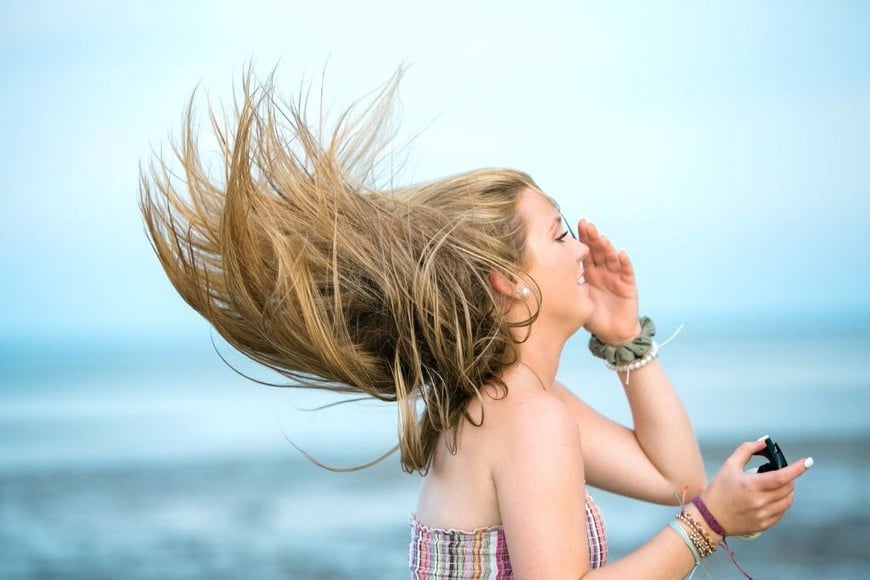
(454,299)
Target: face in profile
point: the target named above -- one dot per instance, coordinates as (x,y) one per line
(553,257)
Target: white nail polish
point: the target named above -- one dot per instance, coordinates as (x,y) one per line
(763,437)
(808,462)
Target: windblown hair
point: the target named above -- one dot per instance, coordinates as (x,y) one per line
(302,263)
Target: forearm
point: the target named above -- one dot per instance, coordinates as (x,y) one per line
(663,429)
(665,556)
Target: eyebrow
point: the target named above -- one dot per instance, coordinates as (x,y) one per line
(556,223)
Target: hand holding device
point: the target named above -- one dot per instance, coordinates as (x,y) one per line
(773,454)
(775,460)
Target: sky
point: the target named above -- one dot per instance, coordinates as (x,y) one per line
(725,145)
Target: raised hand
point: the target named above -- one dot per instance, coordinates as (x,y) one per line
(613,289)
(751,502)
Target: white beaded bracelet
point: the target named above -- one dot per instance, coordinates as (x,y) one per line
(636,364)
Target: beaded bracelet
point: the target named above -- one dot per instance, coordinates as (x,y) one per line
(696,528)
(681,531)
(640,363)
(699,536)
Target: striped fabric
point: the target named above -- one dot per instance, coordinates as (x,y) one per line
(596,534)
(453,554)
(482,554)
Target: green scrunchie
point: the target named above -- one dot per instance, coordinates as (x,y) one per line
(623,354)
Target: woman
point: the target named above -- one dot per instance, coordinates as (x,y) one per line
(454,299)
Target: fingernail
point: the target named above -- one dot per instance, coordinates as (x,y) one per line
(763,437)
(808,462)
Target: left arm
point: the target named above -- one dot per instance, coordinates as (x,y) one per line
(650,462)
(660,455)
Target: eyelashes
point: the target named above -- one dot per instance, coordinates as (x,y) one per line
(564,235)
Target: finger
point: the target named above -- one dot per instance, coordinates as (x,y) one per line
(761,485)
(774,511)
(773,480)
(626,267)
(583,230)
(612,260)
(743,453)
(597,243)
(587,230)
(603,252)
(781,492)
(586,233)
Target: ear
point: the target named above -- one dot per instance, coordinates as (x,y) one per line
(502,284)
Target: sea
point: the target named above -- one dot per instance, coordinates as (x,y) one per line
(121,459)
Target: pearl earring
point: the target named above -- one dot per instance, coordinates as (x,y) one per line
(524,292)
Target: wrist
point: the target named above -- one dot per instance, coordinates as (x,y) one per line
(622,340)
(701,521)
(709,527)
(621,355)
(617,340)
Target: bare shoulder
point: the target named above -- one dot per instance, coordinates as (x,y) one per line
(538,473)
(586,417)
(565,394)
(514,439)
(528,419)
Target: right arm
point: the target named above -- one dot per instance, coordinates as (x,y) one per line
(539,475)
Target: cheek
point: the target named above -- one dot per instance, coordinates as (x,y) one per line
(559,272)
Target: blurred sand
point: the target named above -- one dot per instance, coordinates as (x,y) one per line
(281,517)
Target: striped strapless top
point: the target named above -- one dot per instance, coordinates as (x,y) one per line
(482,554)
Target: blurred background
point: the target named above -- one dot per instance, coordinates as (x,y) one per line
(724,144)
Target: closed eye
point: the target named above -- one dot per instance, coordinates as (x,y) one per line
(563,236)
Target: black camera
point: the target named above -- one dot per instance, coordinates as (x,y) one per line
(773,454)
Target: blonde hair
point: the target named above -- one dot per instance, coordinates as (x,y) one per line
(302,263)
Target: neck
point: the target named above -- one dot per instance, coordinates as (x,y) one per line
(539,345)
(542,358)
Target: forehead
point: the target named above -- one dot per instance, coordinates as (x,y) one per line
(537,209)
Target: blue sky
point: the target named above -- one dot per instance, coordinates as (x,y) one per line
(724,144)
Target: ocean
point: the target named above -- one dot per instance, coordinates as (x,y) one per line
(126,461)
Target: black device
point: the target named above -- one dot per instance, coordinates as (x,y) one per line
(773,454)
(775,460)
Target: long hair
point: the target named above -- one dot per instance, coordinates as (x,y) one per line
(303,264)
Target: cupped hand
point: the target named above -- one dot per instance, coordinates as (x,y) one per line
(751,502)
(612,286)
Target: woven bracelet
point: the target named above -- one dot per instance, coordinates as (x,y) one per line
(708,516)
(718,528)
(681,531)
